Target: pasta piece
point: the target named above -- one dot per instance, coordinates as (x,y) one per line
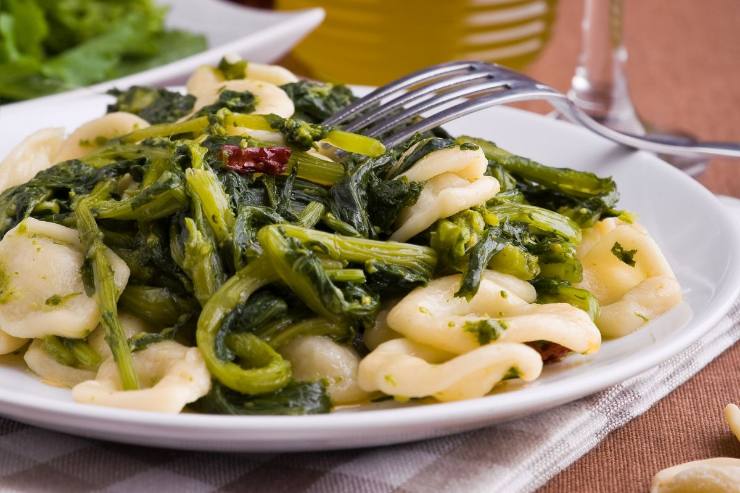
(443,196)
(318,357)
(269,97)
(626,271)
(646,301)
(732,416)
(203,81)
(50,370)
(467,164)
(95,133)
(721,475)
(131,325)
(433,315)
(404,368)
(173,375)
(8,343)
(274,74)
(41,285)
(206,79)
(380,332)
(35,153)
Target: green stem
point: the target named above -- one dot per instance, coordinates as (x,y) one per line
(346,275)
(194,126)
(204,185)
(105,288)
(315,169)
(275,372)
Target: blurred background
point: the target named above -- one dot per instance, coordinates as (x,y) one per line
(681,69)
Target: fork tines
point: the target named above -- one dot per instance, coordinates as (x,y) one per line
(429,98)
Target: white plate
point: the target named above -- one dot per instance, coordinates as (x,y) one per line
(255,34)
(693,229)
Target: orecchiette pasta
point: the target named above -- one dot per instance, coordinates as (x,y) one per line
(35,153)
(96,132)
(50,370)
(469,164)
(453,181)
(630,295)
(9,343)
(404,368)
(443,196)
(434,315)
(379,332)
(205,78)
(41,285)
(721,474)
(269,98)
(203,81)
(318,357)
(732,416)
(646,301)
(274,74)
(173,375)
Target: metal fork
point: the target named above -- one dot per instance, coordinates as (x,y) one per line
(442,93)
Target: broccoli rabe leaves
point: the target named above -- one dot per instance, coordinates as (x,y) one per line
(234,101)
(58,184)
(298,133)
(296,398)
(386,199)
(414,150)
(557,291)
(155,105)
(579,195)
(369,203)
(518,239)
(232,70)
(486,330)
(316,101)
(626,256)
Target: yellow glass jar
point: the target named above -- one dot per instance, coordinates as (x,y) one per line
(374,41)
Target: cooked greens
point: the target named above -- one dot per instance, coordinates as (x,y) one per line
(238,247)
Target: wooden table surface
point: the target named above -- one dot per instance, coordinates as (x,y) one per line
(684,74)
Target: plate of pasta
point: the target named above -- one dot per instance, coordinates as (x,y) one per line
(210,267)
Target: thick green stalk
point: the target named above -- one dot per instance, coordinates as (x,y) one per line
(313,326)
(418,258)
(204,185)
(315,169)
(194,126)
(105,288)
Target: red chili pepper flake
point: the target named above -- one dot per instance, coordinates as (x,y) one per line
(551,352)
(268,160)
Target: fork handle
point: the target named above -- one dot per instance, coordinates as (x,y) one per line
(659,144)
